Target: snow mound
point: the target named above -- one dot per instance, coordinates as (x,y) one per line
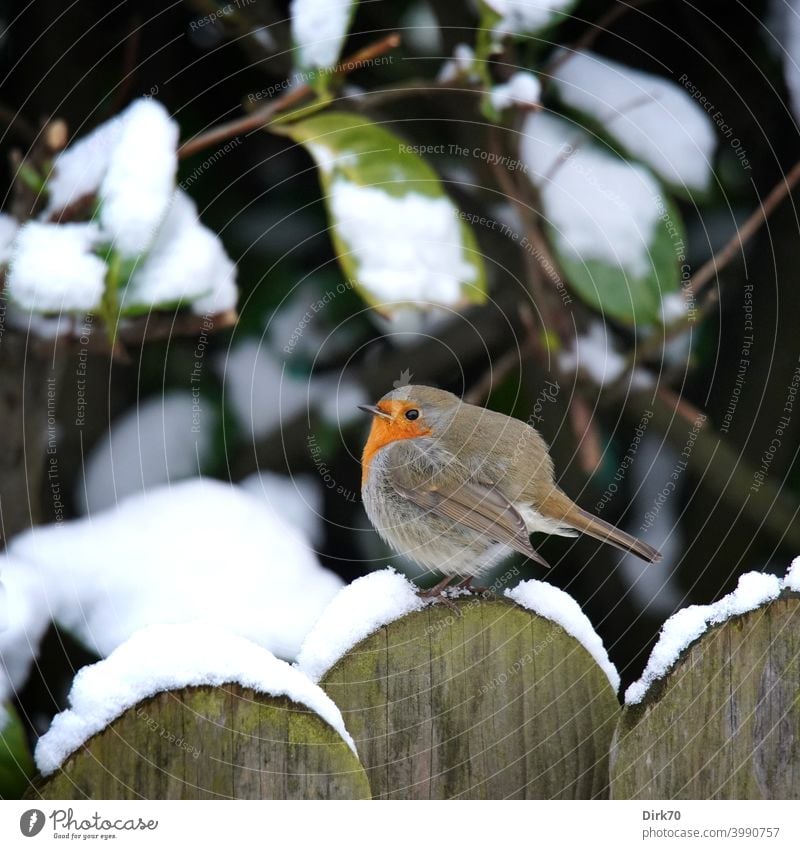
(557,606)
(357,611)
(161,440)
(137,187)
(171,657)
(522,17)
(128,165)
(200,550)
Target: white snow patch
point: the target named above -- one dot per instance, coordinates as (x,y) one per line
(524,17)
(197,550)
(673,307)
(264,395)
(261,393)
(79,170)
(420,28)
(338,399)
(407,248)
(186,263)
(295,500)
(523,89)
(559,607)
(8,232)
(792,579)
(25,616)
(690,623)
(319,28)
(654,119)
(594,355)
(161,440)
(600,207)
(170,657)
(129,163)
(137,187)
(52,268)
(462,64)
(357,611)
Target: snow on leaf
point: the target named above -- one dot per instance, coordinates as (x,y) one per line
(524,17)
(398,236)
(53,268)
(617,238)
(319,28)
(653,118)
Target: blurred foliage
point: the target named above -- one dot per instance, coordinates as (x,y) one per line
(264,199)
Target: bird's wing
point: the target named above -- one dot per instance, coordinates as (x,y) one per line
(474,504)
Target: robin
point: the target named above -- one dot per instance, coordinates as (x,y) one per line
(457,487)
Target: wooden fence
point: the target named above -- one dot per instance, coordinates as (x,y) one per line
(494,703)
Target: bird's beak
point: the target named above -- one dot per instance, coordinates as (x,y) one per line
(373,410)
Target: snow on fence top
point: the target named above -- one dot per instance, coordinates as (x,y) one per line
(171,657)
(357,611)
(197,550)
(690,623)
(554,604)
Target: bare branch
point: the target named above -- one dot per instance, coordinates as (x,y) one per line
(261,117)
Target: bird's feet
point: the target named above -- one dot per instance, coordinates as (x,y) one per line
(467,584)
(438,592)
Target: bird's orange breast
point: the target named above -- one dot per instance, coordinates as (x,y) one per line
(384,431)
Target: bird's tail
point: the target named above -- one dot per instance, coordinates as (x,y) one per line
(559,506)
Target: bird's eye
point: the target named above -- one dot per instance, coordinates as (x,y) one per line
(412,414)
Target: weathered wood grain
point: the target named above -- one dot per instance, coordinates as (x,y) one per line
(211,742)
(493,703)
(725,722)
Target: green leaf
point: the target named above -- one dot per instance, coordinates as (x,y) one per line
(398,236)
(619,294)
(16,764)
(619,241)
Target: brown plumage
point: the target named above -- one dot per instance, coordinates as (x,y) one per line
(457,487)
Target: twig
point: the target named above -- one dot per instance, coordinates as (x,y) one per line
(688,412)
(147,329)
(540,258)
(130,52)
(587,436)
(258,119)
(591,35)
(753,224)
(497,372)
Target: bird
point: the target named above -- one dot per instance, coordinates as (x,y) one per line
(458,487)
